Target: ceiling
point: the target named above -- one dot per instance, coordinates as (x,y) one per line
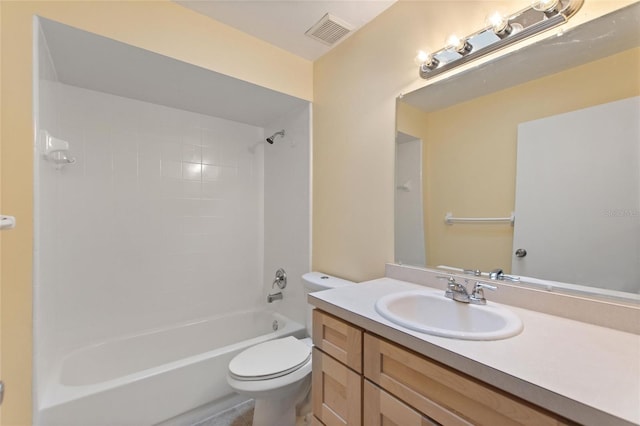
(284,23)
(98,63)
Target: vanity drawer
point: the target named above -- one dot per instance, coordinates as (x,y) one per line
(336,392)
(382,409)
(338,338)
(441,393)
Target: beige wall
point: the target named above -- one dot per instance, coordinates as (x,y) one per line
(470,168)
(159,26)
(355,87)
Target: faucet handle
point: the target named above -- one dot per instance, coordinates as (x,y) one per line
(477,296)
(510,278)
(450,279)
(451,285)
(280,279)
(480,286)
(498,274)
(451,282)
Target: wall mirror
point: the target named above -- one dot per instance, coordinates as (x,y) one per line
(545,143)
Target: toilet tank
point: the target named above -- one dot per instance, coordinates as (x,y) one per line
(317,281)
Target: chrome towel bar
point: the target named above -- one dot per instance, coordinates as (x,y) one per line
(449,219)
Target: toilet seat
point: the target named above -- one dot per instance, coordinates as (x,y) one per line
(269,360)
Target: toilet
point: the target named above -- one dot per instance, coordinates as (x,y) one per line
(277,373)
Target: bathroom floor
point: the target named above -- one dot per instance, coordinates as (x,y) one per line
(239,415)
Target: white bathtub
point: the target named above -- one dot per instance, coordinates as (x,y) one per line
(148,378)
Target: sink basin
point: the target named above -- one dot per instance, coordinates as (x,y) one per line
(432,313)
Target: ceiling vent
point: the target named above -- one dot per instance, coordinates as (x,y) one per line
(329,30)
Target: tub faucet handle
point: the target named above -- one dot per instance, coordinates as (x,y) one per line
(280,280)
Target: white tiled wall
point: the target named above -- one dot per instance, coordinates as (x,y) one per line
(159,221)
(45,193)
(288,209)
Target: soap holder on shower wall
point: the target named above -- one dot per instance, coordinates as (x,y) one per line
(56,150)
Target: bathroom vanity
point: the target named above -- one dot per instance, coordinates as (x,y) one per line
(557,371)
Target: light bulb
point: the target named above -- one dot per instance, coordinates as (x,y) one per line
(421,57)
(545,5)
(458,44)
(426,60)
(453,41)
(499,24)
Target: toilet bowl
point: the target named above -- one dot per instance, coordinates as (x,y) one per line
(277,373)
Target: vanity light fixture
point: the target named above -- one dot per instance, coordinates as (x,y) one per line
(500,32)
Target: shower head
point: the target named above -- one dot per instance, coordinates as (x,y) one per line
(272,138)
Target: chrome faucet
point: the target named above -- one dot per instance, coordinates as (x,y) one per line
(280,279)
(455,290)
(459,293)
(275,296)
(498,274)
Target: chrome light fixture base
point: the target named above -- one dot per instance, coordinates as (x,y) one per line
(540,16)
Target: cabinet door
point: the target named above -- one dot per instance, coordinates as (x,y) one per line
(382,409)
(443,394)
(337,392)
(316,422)
(338,338)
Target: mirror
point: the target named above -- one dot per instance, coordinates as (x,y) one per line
(479,159)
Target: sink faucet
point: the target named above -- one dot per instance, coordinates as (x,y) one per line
(498,274)
(455,290)
(459,293)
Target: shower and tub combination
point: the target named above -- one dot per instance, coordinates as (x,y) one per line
(151,377)
(152,214)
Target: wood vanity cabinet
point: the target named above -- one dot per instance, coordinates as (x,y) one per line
(442,394)
(362,379)
(337,371)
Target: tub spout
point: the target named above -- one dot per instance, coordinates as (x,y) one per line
(272,297)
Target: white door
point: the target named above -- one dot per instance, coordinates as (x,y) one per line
(578,197)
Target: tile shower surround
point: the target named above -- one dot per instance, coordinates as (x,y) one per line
(156,223)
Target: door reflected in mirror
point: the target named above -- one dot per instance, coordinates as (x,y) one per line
(578,190)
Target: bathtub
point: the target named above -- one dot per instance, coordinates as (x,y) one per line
(147,378)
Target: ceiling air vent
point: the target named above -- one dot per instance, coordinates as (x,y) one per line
(329,30)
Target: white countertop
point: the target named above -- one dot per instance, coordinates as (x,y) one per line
(586,373)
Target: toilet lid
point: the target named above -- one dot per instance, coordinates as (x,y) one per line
(270,359)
